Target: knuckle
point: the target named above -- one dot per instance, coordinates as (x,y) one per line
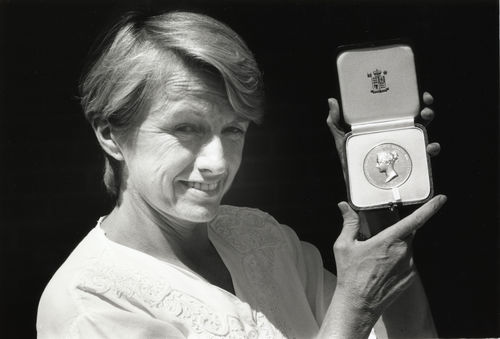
(398,250)
(340,246)
(419,219)
(405,250)
(351,220)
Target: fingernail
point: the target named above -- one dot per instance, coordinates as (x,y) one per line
(441,200)
(343,207)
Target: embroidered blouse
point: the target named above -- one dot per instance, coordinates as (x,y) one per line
(107,290)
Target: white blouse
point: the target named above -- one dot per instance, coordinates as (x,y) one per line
(107,290)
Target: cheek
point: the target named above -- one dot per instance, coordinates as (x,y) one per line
(234,153)
(159,160)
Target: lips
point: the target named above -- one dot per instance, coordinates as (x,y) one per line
(201,186)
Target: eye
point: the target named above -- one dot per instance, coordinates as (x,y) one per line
(187,128)
(234,130)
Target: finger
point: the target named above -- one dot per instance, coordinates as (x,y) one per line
(333,112)
(427,98)
(427,114)
(351,221)
(414,221)
(333,120)
(433,149)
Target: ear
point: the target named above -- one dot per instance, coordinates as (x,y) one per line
(107,139)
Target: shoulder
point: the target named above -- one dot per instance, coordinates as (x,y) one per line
(247,229)
(88,252)
(245,215)
(58,304)
(99,284)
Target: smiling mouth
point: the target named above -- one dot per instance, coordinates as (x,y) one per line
(202,186)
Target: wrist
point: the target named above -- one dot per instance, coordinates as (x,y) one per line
(348,317)
(355,305)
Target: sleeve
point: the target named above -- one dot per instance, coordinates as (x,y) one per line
(319,283)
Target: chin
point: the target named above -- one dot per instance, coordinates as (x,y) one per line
(198,213)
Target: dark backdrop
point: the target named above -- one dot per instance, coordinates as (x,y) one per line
(51,194)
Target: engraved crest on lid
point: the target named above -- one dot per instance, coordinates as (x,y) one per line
(387,166)
(378,82)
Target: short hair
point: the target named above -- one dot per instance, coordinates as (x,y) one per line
(138,53)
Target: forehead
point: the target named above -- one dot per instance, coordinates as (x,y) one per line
(192,90)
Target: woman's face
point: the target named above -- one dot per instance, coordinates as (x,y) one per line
(186,152)
(382,164)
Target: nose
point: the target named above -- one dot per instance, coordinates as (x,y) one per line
(211,159)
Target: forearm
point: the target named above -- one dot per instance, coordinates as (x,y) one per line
(409,316)
(346,319)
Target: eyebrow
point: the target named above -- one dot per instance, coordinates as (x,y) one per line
(240,119)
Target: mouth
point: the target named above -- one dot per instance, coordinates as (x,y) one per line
(202,186)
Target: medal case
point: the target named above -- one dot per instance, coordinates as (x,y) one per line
(385,151)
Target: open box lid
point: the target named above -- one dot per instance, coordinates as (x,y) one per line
(378,84)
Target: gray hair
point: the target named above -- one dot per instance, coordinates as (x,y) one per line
(137,57)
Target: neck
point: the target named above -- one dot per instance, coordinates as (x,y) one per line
(134,223)
(391,174)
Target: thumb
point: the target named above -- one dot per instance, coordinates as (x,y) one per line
(351,221)
(338,133)
(333,121)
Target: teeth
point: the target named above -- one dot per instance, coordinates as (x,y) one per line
(202,186)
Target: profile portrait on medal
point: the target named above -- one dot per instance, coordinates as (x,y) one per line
(170,97)
(385,164)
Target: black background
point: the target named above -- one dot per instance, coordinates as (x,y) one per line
(51,194)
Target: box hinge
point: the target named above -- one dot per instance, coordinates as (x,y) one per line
(379,126)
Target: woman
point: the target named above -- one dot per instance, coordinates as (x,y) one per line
(385,164)
(170,99)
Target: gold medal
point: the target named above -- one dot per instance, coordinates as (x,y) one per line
(387,166)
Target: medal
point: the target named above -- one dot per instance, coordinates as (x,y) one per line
(387,166)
